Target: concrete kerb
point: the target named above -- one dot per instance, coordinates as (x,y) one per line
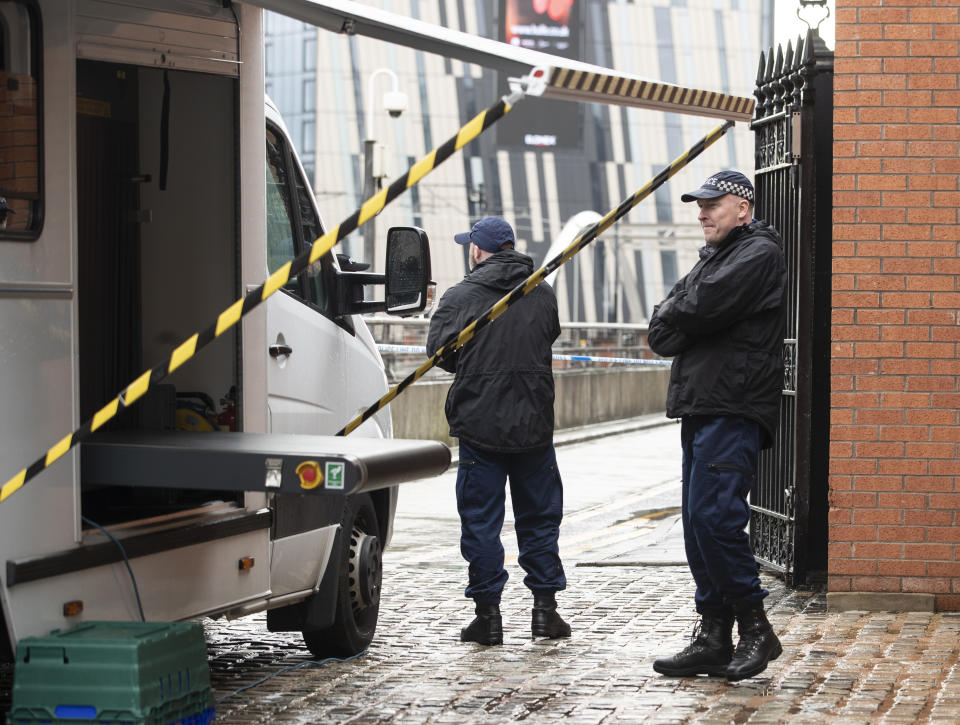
(880,602)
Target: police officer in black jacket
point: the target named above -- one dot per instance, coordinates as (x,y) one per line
(500,406)
(723,323)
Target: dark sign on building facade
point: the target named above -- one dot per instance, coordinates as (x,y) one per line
(549,26)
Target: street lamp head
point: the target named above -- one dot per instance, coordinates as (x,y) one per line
(395,102)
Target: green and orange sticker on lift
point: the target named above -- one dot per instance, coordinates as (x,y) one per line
(311,476)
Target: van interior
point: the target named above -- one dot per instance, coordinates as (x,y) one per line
(158,240)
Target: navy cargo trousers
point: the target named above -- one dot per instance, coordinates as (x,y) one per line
(537,495)
(719,465)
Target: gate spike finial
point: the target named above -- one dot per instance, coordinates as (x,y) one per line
(795,90)
(778,69)
(788,60)
(808,48)
(758,90)
(768,86)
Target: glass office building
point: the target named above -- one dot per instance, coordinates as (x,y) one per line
(548,164)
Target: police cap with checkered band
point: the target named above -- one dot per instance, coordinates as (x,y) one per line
(723,182)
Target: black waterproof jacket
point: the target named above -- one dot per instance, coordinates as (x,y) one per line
(724,325)
(502,396)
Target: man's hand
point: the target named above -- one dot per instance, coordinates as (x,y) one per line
(662,337)
(664,311)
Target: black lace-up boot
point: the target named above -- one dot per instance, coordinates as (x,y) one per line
(709,651)
(486,628)
(758,643)
(546,622)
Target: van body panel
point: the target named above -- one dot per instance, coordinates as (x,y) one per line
(179,584)
(253,245)
(36,358)
(297,562)
(365,382)
(38,313)
(137,32)
(306,387)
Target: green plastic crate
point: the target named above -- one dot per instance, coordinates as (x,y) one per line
(141,673)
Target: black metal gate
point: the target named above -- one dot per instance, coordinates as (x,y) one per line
(793,146)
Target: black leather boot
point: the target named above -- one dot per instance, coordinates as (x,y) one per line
(546,622)
(486,628)
(709,651)
(758,643)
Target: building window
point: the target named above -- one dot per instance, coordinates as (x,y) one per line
(668,264)
(308,140)
(310,51)
(268,59)
(21,138)
(309,94)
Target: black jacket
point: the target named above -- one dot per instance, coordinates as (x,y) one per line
(724,324)
(502,396)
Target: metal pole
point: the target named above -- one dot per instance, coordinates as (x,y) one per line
(617,289)
(371,185)
(369,189)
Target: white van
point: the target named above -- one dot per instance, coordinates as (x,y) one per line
(150,186)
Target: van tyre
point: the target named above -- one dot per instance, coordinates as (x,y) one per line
(358,590)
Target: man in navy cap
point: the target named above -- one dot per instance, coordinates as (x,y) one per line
(500,406)
(723,324)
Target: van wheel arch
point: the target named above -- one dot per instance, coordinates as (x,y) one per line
(359,582)
(381,505)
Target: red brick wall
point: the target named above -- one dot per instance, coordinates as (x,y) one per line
(895,428)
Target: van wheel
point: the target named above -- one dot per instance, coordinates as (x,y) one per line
(358,596)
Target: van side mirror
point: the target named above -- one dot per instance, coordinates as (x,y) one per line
(409,290)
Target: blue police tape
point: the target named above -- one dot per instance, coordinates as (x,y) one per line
(585,358)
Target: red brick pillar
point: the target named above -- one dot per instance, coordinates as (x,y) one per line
(894,458)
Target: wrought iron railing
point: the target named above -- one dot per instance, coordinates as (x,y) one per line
(793,140)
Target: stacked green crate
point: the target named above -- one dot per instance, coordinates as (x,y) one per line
(141,673)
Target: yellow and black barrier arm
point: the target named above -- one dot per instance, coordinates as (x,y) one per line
(501,306)
(230,316)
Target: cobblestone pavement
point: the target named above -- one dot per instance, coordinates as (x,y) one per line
(845,668)
(629,600)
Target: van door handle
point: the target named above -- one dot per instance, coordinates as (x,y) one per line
(278,350)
